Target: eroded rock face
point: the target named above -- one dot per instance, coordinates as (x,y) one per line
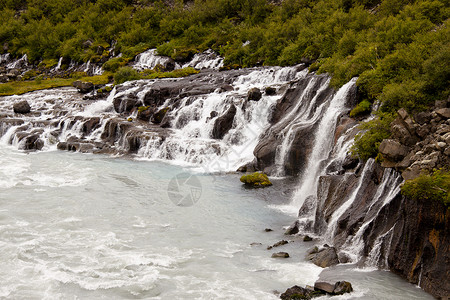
(325,257)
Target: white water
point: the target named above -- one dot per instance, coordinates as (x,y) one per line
(149,59)
(21,62)
(322,146)
(205,60)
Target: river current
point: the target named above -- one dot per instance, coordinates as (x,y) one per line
(83,226)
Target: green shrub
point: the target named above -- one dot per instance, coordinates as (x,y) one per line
(114,64)
(372,134)
(362,108)
(126,74)
(435,187)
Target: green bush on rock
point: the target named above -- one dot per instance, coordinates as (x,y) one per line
(126,74)
(256,180)
(435,186)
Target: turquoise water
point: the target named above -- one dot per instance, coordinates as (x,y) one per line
(76,226)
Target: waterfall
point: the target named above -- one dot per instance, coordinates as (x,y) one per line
(149,59)
(19,63)
(205,60)
(322,145)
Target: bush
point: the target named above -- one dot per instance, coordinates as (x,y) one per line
(256,180)
(362,108)
(126,74)
(434,187)
(372,134)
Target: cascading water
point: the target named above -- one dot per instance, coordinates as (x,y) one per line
(205,60)
(323,145)
(149,59)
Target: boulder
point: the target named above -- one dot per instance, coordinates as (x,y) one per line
(224,123)
(270,91)
(324,287)
(307,238)
(443,113)
(342,287)
(350,162)
(278,244)
(280,255)
(256,180)
(326,257)
(145,113)
(296,292)
(22,107)
(293,229)
(393,150)
(83,86)
(125,103)
(254,94)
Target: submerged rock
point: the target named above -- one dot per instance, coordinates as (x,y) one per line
(256,180)
(278,244)
(293,229)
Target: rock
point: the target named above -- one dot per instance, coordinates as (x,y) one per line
(83,86)
(307,238)
(268,230)
(88,43)
(280,243)
(423,118)
(125,103)
(254,94)
(3,78)
(324,287)
(312,250)
(443,113)
(224,123)
(270,91)
(145,113)
(226,88)
(342,287)
(393,150)
(296,293)
(293,229)
(21,107)
(256,180)
(159,115)
(255,244)
(280,255)
(350,162)
(326,257)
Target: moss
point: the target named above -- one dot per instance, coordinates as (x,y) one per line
(433,187)
(130,119)
(256,180)
(142,108)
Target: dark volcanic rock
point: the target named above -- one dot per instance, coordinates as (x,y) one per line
(280,255)
(126,103)
(83,86)
(393,150)
(293,229)
(296,292)
(224,123)
(254,94)
(22,107)
(326,257)
(270,91)
(324,287)
(342,287)
(278,244)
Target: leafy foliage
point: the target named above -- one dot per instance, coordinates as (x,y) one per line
(435,187)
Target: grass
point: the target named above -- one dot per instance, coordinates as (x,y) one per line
(22,87)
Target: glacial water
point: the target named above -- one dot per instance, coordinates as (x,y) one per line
(83,226)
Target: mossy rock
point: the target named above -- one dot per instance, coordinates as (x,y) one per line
(256,180)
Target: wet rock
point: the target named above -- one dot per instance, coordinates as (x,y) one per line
(226,88)
(125,103)
(256,180)
(393,150)
(342,287)
(145,113)
(324,287)
(90,125)
(21,107)
(307,238)
(280,255)
(224,123)
(270,91)
(254,94)
(296,293)
(3,78)
(278,244)
(293,229)
(326,257)
(268,230)
(159,115)
(83,86)
(350,162)
(255,244)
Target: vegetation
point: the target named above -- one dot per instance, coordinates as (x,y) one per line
(435,187)
(399,49)
(256,180)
